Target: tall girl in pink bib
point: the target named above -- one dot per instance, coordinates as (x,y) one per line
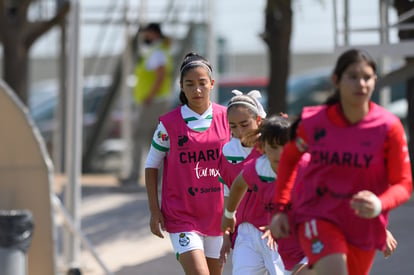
(188,142)
(359,170)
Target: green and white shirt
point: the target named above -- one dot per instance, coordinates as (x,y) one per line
(264,169)
(160,144)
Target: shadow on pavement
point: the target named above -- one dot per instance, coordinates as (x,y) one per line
(164,265)
(116,222)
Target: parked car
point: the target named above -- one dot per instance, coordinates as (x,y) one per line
(42,104)
(310,88)
(305,89)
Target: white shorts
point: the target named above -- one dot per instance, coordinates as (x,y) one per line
(252,256)
(187,241)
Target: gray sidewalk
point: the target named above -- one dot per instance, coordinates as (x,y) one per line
(115,220)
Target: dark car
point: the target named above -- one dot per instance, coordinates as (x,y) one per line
(305,89)
(43,107)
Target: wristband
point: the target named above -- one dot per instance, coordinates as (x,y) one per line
(282,207)
(377,206)
(229,215)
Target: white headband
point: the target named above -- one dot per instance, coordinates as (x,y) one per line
(196,63)
(254,94)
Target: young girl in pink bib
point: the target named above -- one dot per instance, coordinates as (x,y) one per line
(255,250)
(188,142)
(244,113)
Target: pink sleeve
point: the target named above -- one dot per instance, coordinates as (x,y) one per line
(286,172)
(398,167)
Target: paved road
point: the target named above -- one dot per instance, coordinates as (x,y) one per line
(115,220)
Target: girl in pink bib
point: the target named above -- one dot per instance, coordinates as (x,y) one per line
(255,250)
(359,170)
(189,141)
(244,113)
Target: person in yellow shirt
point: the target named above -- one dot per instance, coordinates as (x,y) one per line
(152,92)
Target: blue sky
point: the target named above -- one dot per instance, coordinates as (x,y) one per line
(240,22)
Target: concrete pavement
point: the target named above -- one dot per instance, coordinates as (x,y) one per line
(115,220)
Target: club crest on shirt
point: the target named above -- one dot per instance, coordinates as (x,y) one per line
(162,136)
(182,139)
(317,246)
(269,207)
(319,133)
(301,145)
(183,240)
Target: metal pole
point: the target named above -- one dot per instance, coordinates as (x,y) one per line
(58,133)
(142,12)
(346,22)
(16,230)
(126,100)
(335,24)
(384,62)
(74,113)
(212,42)
(75,231)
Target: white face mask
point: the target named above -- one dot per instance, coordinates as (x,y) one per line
(148,48)
(145,49)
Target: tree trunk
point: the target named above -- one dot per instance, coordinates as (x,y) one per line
(17,35)
(403,6)
(278,29)
(15,66)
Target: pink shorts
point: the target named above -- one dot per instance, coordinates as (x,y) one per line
(320,238)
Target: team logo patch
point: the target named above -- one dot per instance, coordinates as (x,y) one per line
(162,136)
(319,133)
(269,207)
(301,144)
(192,191)
(182,140)
(317,246)
(183,239)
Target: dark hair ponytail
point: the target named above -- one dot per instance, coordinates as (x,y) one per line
(274,130)
(294,127)
(183,98)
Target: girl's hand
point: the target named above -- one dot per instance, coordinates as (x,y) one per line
(227,225)
(271,243)
(157,222)
(225,248)
(390,245)
(279,226)
(366,204)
